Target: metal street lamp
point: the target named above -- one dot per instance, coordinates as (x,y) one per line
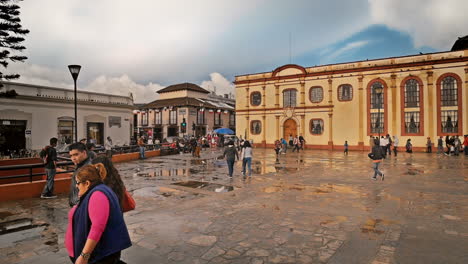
(75,70)
(378,91)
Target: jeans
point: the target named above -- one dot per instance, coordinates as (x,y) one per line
(109,154)
(395,150)
(49,187)
(296,147)
(142,153)
(440,149)
(376,169)
(230,164)
(248,162)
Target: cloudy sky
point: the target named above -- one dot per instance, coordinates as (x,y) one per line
(141,46)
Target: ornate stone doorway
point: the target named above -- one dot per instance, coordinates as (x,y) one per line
(289,128)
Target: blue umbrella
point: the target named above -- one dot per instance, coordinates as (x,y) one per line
(224,130)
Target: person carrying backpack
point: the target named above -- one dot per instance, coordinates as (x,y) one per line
(49,157)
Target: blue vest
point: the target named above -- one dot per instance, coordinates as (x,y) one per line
(115,236)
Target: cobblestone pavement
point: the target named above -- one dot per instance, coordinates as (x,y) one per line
(311,207)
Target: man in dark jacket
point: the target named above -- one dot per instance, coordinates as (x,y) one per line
(230,153)
(49,155)
(377,155)
(79,156)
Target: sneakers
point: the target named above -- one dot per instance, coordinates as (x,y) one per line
(374,178)
(48,196)
(383,177)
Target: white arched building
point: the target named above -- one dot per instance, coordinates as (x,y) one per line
(38,113)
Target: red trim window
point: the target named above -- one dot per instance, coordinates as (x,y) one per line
(449,105)
(255,98)
(255,127)
(376,107)
(412,114)
(289,98)
(316,127)
(316,94)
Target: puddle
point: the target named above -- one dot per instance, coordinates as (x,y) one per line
(214,187)
(155,161)
(17,225)
(414,172)
(4,215)
(162,173)
(198,162)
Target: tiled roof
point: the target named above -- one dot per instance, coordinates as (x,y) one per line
(183,86)
(183,101)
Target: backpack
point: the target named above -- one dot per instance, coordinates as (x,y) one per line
(44,154)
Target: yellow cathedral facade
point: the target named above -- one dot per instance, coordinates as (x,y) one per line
(411,97)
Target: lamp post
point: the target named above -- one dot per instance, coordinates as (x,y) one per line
(75,70)
(378,91)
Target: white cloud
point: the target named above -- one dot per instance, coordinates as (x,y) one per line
(347,48)
(434,23)
(219,84)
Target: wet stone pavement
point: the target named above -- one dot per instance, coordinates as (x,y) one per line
(311,207)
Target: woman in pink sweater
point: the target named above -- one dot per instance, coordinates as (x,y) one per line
(96,230)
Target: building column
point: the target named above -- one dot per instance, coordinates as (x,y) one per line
(277,105)
(302,132)
(430,104)
(361,112)
(264,131)
(464,107)
(302,102)
(247,128)
(330,91)
(330,131)
(393,91)
(263,96)
(247,97)
(277,127)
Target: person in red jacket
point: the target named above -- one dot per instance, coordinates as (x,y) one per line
(465,145)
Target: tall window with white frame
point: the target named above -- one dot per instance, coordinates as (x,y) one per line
(377,113)
(173,117)
(232,119)
(412,106)
(144,118)
(157,117)
(449,105)
(289,98)
(200,117)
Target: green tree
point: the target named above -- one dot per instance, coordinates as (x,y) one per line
(11,37)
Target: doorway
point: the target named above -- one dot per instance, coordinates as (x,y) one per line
(12,135)
(95,133)
(289,128)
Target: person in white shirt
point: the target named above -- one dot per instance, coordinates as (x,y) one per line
(108,147)
(246,156)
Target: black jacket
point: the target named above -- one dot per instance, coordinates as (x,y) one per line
(376,153)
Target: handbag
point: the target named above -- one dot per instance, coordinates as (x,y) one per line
(128,203)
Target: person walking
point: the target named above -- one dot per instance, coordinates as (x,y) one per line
(96,231)
(113,179)
(465,145)
(429,145)
(246,155)
(346,148)
(377,155)
(457,145)
(277,148)
(230,153)
(302,142)
(383,145)
(108,147)
(440,145)
(198,148)
(296,144)
(285,145)
(389,145)
(49,156)
(141,145)
(79,157)
(396,141)
(409,146)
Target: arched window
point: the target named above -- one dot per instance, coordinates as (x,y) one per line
(316,126)
(316,94)
(255,98)
(289,98)
(449,93)
(411,93)
(345,92)
(449,118)
(255,127)
(376,107)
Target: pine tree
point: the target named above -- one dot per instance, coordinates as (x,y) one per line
(11,37)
